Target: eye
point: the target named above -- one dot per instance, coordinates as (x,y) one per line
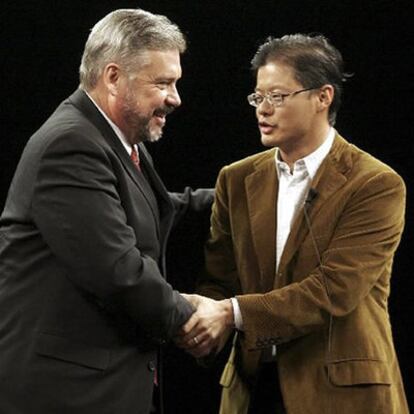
(258,98)
(276,97)
(163,85)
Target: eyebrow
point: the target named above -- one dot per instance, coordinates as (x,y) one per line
(167,78)
(272,89)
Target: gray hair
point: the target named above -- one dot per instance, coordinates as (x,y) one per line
(122,37)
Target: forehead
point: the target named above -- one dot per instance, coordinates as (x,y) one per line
(276,74)
(161,63)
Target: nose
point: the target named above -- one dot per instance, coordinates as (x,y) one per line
(265,108)
(173,97)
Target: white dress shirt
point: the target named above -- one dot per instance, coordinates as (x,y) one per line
(294,185)
(117,131)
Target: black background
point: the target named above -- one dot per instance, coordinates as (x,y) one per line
(41,47)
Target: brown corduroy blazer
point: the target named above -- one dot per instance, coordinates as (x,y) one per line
(330,323)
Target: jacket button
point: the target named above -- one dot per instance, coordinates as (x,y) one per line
(151,366)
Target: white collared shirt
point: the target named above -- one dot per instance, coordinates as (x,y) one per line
(116,129)
(294,186)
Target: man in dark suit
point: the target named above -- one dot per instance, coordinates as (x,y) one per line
(83,300)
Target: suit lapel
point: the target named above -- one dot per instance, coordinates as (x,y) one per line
(87,107)
(261,190)
(166,208)
(328,180)
(138,177)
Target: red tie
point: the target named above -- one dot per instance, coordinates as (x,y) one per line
(135,158)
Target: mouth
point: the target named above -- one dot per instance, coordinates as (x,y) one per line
(160,118)
(161,114)
(266,128)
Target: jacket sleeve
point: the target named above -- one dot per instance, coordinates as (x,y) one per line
(79,213)
(220,279)
(191,200)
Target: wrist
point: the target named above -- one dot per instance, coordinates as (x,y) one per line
(228,312)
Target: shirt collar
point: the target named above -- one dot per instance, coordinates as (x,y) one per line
(312,161)
(116,129)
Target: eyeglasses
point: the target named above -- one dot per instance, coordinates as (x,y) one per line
(274,98)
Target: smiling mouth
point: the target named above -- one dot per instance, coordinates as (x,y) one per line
(160,120)
(160,116)
(163,112)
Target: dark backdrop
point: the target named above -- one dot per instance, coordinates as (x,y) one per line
(41,46)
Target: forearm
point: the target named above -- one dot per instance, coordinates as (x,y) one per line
(191,200)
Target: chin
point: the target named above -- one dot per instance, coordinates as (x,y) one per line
(154,132)
(149,134)
(269,141)
(154,136)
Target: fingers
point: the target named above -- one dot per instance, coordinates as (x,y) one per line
(198,345)
(193,299)
(190,325)
(203,345)
(201,350)
(198,322)
(193,342)
(192,333)
(208,328)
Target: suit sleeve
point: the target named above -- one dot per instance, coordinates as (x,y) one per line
(79,213)
(220,279)
(191,200)
(360,252)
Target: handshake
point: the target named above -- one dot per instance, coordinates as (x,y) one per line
(208,329)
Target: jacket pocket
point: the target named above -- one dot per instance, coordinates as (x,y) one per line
(359,372)
(64,349)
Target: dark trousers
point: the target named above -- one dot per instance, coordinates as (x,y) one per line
(266,397)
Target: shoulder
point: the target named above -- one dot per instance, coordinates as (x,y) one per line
(67,128)
(357,163)
(246,166)
(362,169)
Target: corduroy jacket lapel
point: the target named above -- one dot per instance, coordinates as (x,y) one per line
(261,191)
(329,179)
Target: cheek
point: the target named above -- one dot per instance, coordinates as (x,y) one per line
(295,119)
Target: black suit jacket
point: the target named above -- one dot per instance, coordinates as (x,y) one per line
(83,300)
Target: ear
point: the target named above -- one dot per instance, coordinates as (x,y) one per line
(325,97)
(111,77)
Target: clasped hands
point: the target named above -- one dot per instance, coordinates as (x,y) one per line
(209,327)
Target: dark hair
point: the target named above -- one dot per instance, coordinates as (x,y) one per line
(314,60)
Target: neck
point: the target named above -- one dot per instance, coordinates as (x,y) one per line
(107,106)
(305,146)
(100,101)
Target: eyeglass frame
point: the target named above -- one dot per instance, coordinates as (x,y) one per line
(268,96)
